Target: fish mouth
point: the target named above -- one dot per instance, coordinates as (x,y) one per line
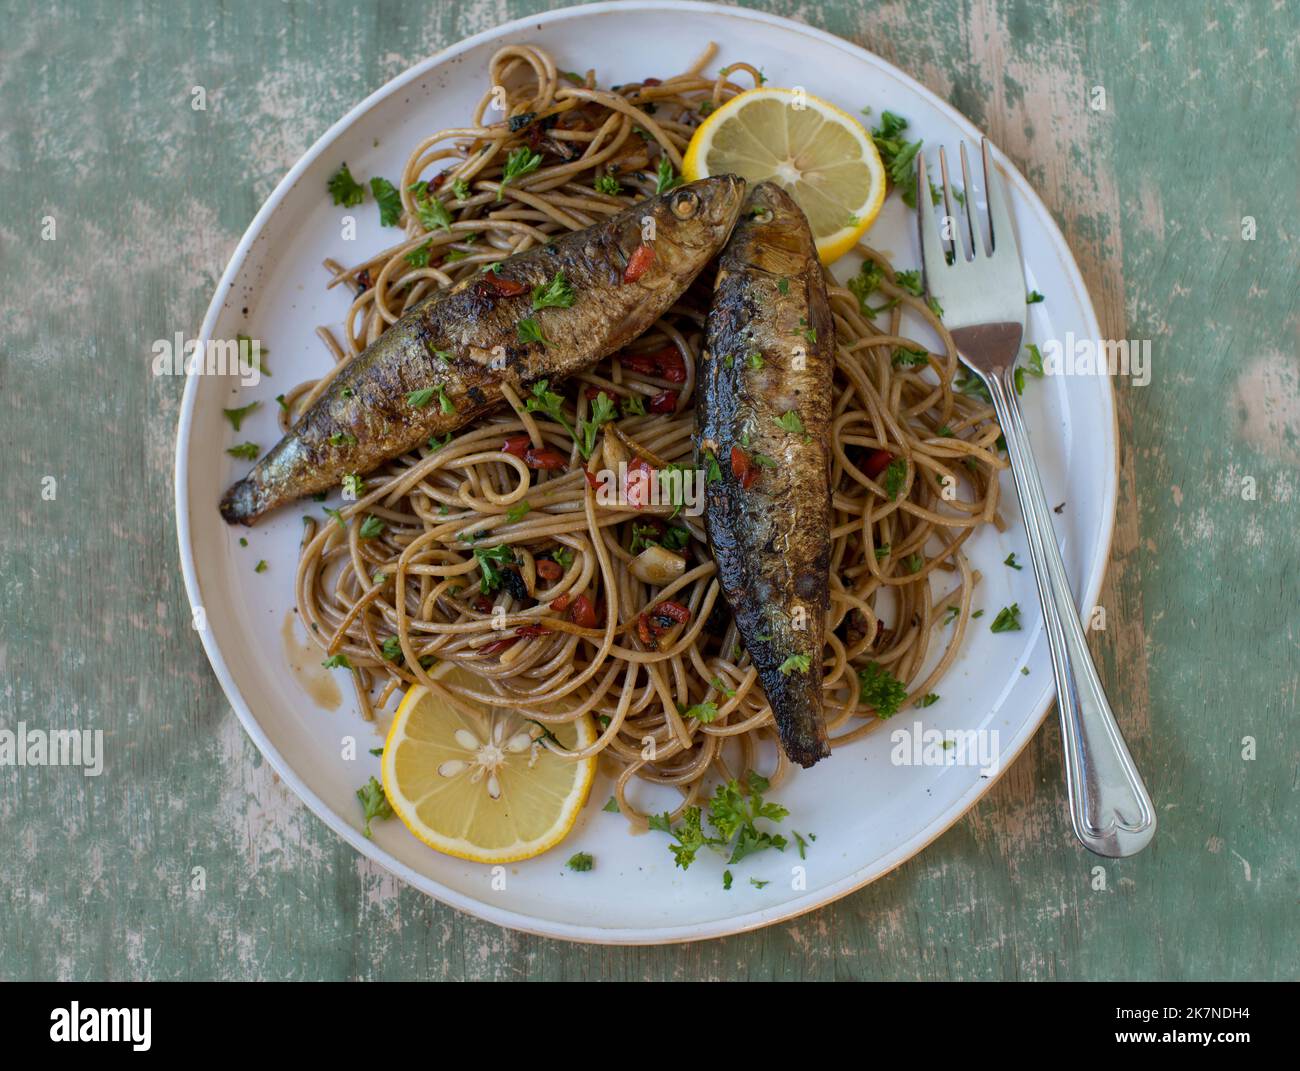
(721,197)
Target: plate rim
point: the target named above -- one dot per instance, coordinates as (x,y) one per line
(624,935)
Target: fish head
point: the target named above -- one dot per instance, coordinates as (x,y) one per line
(772,235)
(695,220)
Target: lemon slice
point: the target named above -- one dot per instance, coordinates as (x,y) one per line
(475,783)
(820,155)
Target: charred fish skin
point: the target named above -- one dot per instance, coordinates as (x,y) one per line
(770,353)
(442,364)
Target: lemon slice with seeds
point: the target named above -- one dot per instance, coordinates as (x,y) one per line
(476,782)
(821,156)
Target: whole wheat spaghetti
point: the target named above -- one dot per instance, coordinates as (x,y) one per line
(462,553)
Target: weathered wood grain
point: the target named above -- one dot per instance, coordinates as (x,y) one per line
(1200,648)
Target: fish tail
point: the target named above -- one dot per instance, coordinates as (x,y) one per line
(797,710)
(243,502)
(804,743)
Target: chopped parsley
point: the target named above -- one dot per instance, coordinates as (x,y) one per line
(388,199)
(895,477)
(1035,365)
(236,416)
(704,712)
(1033,297)
(489,558)
(796,663)
(418,399)
(665,177)
(371,527)
(791,423)
(548,402)
(520,162)
(581,862)
(897,154)
(880,690)
(432,213)
(603,411)
(864,284)
(419,256)
(909,358)
(244,451)
(556,294)
(342,438)
(517,512)
(338,661)
(734,816)
(344,189)
(392,649)
(783,285)
(1011,561)
(713,471)
(1008,619)
(260,567)
(927,700)
(909,281)
(374,804)
(529,330)
(608,184)
(460,189)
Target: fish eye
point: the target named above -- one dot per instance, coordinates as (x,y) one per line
(685,204)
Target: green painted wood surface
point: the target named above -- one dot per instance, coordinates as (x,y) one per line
(150,198)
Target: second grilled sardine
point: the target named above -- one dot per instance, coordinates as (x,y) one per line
(763,416)
(542,314)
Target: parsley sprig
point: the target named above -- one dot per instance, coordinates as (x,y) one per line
(521,161)
(734,815)
(557,294)
(489,559)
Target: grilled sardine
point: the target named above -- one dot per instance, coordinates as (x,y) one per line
(763,415)
(542,314)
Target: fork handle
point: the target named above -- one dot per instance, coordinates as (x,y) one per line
(1110,807)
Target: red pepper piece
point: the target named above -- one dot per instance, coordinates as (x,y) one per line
(742,467)
(549,570)
(517,444)
(636,488)
(638,263)
(561,604)
(675,610)
(493,283)
(545,458)
(499,645)
(876,463)
(644,633)
(664,402)
(531,630)
(582,613)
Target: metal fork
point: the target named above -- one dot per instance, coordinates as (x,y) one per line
(982,295)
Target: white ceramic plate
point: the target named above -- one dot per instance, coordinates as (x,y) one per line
(868,815)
